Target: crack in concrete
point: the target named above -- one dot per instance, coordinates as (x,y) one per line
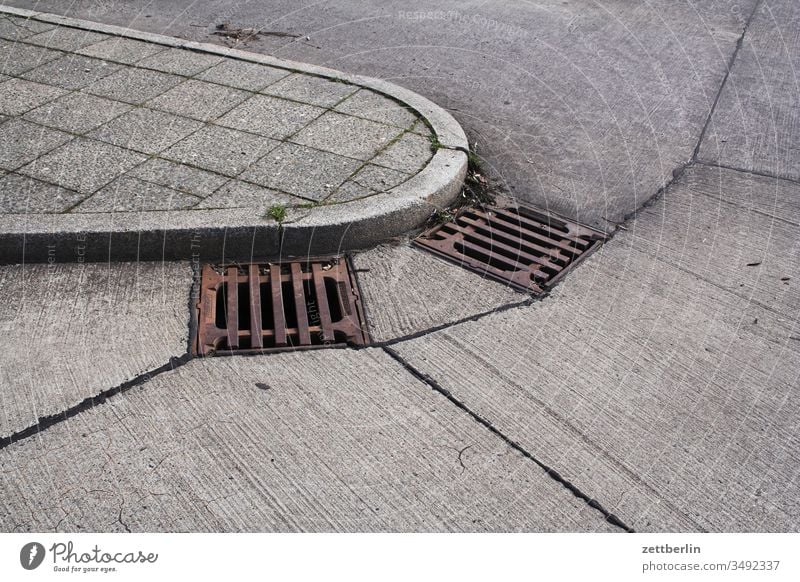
(45,422)
(552,473)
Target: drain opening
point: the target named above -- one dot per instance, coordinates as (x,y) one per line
(522,246)
(254,308)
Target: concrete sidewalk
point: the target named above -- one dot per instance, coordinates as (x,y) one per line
(655,389)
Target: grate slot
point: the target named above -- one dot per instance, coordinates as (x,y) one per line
(256,337)
(300,305)
(232,311)
(278,312)
(521,246)
(520,251)
(322,303)
(512,236)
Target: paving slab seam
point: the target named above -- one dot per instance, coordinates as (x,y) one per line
(739,43)
(679,170)
(46,422)
(552,473)
(712,164)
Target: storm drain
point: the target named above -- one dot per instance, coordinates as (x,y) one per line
(254,308)
(521,246)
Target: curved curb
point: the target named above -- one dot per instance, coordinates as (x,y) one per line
(236,236)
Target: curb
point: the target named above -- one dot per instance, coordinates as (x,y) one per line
(239,235)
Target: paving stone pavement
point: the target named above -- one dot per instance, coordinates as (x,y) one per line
(86,113)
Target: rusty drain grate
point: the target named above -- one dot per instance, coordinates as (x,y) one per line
(254,308)
(522,246)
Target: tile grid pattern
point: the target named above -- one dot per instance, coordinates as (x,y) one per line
(95,123)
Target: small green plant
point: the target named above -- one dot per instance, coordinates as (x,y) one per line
(443,215)
(277,212)
(435,143)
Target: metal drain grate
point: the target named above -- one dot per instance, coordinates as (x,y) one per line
(524,247)
(277,306)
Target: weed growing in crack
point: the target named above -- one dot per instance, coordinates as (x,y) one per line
(277,212)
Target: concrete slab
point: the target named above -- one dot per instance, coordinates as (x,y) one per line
(407,291)
(706,230)
(121,50)
(18,96)
(73,331)
(22,142)
(348,136)
(83,164)
(24,195)
(221,150)
(66,39)
(755,124)
(294,442)
(15,28)
(643,380)
(378,108)
(271,117)
(126,194)
(146,130)
(77,112)
(179,177)
(301,171)
(18,58)
(134,86)
(248,76)
(71,72)
(199,100)
(180,62)
(313,90)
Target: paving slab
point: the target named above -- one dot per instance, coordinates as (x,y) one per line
(77,112)
(83,164)
(128,194)
(146,130)
(407,291)
(668,396)
(23,195)
(18,95)
(22,142)
(71,72)
(17,57)
(134,86)
(16,28)
(295,442)
(218,113)
(73,331)
(755,125)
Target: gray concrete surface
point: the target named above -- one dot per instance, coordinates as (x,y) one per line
(756,124)
(660,378)
(70,332)
(406,290)
(285,443)
(581,107)
(283,137)
(656,377)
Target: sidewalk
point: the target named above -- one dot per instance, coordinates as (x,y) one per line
(171,149)
(655,389)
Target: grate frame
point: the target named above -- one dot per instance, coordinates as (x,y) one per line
(523,246)
(296,305)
